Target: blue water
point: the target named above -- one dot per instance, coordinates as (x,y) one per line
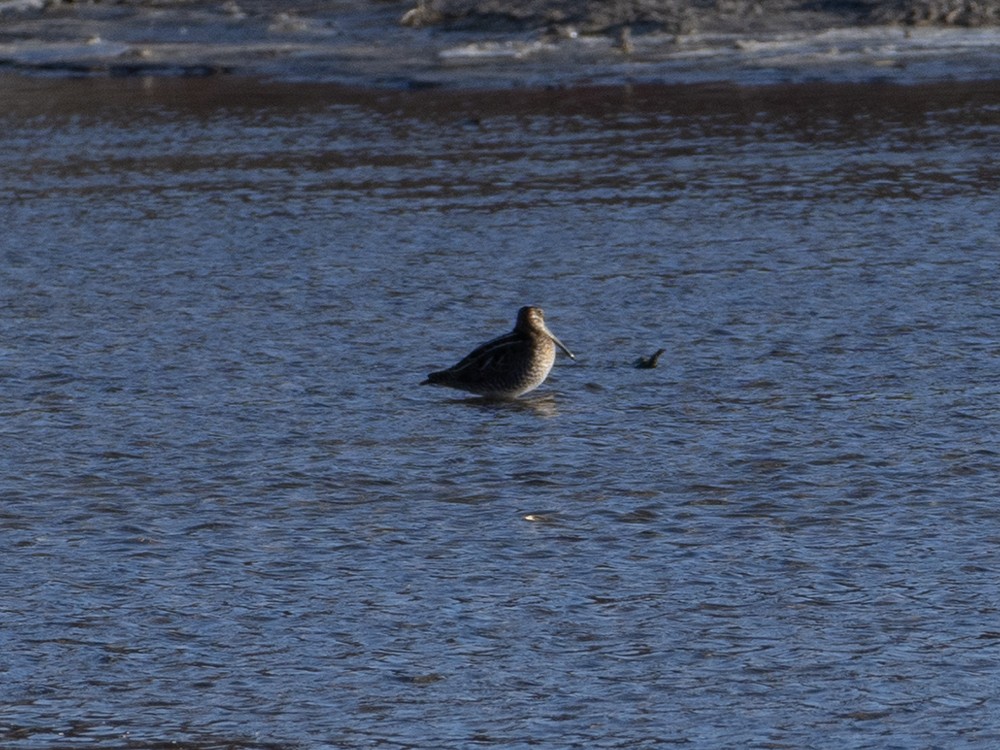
(231,518)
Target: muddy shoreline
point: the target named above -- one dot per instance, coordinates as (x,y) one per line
(493,44)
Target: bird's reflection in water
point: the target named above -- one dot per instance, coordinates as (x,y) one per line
(542,405)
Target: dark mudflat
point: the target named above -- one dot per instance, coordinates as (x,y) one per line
(461,43)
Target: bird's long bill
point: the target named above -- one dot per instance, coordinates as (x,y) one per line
(559,343)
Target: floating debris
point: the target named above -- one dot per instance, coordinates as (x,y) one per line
(648,363)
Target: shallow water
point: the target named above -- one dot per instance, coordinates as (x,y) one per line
(230,518)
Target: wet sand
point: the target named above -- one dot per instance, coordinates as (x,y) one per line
(441,43)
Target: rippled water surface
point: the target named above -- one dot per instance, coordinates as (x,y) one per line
(231,518)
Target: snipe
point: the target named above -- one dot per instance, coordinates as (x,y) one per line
(508,366)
